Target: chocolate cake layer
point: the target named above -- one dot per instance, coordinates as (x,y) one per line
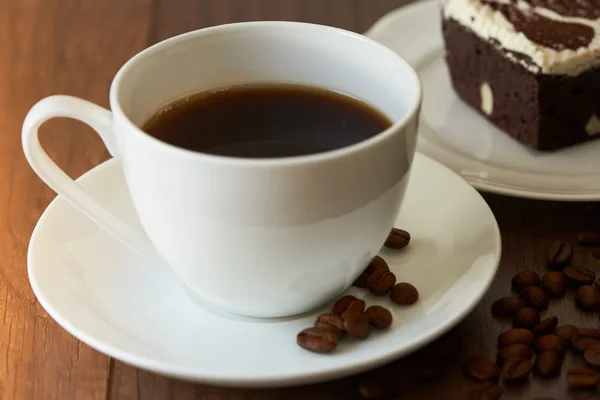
(543,111)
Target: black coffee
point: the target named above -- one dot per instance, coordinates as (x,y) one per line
(266,121)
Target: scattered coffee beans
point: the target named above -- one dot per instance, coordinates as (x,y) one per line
(357,305)
(592,354)
(559,253)
(481,370)
(550,343)
(317,340)
(580,344)
(374,387)
(526,317)
(376,264)
(516,370)
(381,281)
(535,297)
(404,294)
(588,298)
(506,306)
(553,284)
(361,281)
(582,378)
(379,317)
(514,351)
(577,276)
(584,338)
(525,279)
(357,324)
(547,364)
(397,239)
(589,238)
(331,321)
(489,391)
(567,332)
(546,327)
(342,304)
(515,336)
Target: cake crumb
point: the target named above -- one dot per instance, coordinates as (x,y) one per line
(593,126)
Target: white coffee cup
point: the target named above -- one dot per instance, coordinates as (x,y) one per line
(257,237)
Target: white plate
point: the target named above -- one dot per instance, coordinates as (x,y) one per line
(136,311)
(457,136)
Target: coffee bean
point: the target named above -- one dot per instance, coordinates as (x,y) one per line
(582,378)
(546,327)
(379,317)
(567,332)
(581,343)
(577,276)
(550,343)
(516,336)
(592,354)
(342,304)
(376,264)
(397,239)
(447,347)
(380,282)
(553,284)
(506,306)
(489,391)
(515,351)
(404,294)
(525,279)
(375,387)
(427,368)
(526,317)
(317,340)
(357,324)
(589,238)
(535,297)
(559,253)
(588,298)
(516,369)
(547,364)
(332,321)
(356,306)
(481,369)
(361,281)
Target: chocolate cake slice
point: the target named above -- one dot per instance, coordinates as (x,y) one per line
(532,67)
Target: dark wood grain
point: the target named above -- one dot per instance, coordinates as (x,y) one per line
(75,47)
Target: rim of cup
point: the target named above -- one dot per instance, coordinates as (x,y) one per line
(330,155)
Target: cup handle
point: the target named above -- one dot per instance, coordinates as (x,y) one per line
(100,120)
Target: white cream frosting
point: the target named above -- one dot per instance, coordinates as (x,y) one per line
(488,24)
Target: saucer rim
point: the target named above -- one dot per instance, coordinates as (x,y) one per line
(202,375)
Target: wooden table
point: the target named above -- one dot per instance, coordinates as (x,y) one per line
(75,47)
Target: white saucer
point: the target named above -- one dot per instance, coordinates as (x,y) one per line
(136,311)
(457,136)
